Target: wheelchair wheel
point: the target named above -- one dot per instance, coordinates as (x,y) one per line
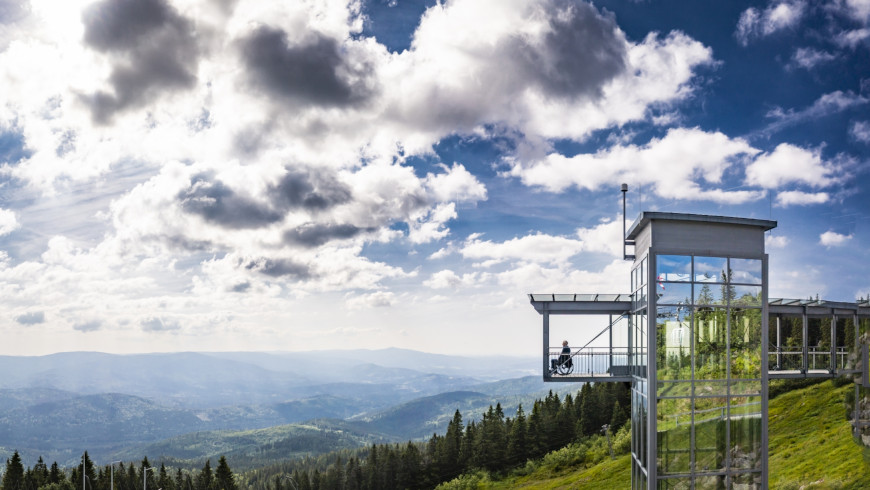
(565,368)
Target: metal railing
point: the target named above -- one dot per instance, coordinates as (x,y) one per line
(600,361)
(790,358)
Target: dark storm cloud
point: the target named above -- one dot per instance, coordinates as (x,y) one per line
(155,324)
(280,268)
(153,47)
(314,235)
(579,55)
(31,318)
(218,203)
(88,326)
(314,72)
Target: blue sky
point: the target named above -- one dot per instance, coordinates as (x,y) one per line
(249,175)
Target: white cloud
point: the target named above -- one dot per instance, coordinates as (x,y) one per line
(808,58)
(833,239)
(776,241)
(860,130)
(859,10)
(781,15)
(800,198)
(791,164)
(827,104)
(8,222)
(377,299)
(673,165)
(540,247)
(456,184)
(852,38)
(447,279)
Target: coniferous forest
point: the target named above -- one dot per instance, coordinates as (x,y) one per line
(496,442)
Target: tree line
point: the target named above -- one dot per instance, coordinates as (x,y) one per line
(121,477)
(495,443)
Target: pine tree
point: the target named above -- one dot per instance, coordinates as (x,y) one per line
(517,448)
(13,477)
(223,476)
(55,475)
(205,479)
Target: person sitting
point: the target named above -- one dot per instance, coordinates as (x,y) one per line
(563,360)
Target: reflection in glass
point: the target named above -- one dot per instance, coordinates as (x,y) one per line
(745,343)
(673,268)
(673,342)
(748,481)
(710,435)
(674,431)
(674,388)
(710,269)
(673,293)
(710,335)
(745,387)
(786,343)
(746,296)
(710,294)
(746,271)
(713,482)
(745,424)
(675,484)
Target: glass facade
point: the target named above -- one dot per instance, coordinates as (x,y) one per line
(708,376)
(639,385)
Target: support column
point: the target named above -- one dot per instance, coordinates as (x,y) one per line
(610,344)
(832,368)
(546,356)
(778,342)
(804,348)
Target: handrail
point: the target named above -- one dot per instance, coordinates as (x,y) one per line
(601,332)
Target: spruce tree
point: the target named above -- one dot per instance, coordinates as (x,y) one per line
(223,476)
(13,477)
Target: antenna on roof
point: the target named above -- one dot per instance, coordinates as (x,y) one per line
(625,242)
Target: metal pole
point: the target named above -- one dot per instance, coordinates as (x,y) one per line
(779,342)
(624,189)
(804,348)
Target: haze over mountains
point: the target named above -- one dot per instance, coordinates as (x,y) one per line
(57,406)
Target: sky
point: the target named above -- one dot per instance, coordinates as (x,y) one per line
(219,175)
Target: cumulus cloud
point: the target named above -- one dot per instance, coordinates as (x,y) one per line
(315,70)
(800,198)
(88,326)
(833,239)
(673,165)
(860,131)
(754,24)
(31,318)
(776,241)
(791,164)
(447,279)
(152,47)
(157,324)
(8,222)
(378,299)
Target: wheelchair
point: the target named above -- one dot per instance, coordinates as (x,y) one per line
(562,366)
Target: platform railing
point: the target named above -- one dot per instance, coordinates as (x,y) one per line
(790,358)
(593,361)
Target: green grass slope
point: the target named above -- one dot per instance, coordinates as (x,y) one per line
(811,443)
(811,446)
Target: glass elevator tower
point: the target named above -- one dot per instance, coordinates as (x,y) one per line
(699,314)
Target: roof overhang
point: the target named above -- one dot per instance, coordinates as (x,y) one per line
(581,304)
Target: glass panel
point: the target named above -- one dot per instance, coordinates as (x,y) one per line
(746,271)
(819,344)
(710,269)
(710,343)
(786,343)
(710,294)
(673,268)
(709,434)
(643,270)
(745,423)
(674,430)
(747,481)
(674,484)
(675,388)
(706,387)
(746,295)
(745,343)
(673,343)
(710,483)
(746,387)
(673,293)
(846,343)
